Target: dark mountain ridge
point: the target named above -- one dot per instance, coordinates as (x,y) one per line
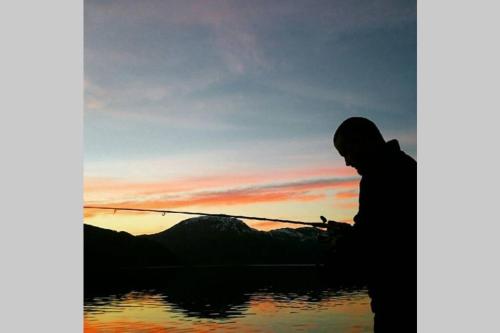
(109,248)
(216,240)
(204,240)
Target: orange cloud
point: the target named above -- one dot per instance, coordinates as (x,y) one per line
(94,186)
(295,185)
(295,191)
(219,199)
(91,212)
(347,205)
(347,195)
(88,213)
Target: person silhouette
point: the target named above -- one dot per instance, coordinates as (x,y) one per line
(384,233)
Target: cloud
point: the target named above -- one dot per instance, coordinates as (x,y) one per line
(213,88)
(347,14)
(354,194)
(347,205)
(299,191)
(89,213)
(168,103)
(215,179)
(315,91)
(221,199)
(219,192)
(152,55)
(98,189)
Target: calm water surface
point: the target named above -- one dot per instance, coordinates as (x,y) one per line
(270,299)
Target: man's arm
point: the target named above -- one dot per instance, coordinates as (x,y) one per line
(339,226)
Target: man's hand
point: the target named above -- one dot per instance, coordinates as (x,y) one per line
(335,224)
(338,226)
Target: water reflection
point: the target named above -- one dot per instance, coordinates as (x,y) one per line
(223,299)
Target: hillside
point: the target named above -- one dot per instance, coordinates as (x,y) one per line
(108,248)
(220,240)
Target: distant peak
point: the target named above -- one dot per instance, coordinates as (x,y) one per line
(221,223)
(299,233)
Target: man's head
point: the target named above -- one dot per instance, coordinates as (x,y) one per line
(357,140)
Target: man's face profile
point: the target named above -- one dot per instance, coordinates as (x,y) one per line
(352,153)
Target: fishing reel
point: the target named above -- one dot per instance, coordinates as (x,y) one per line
(324,236)
(334,229)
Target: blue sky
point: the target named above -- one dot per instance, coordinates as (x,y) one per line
(190,88)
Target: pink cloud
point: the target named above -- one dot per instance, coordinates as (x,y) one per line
(294,185)
(95,185)
(353,194)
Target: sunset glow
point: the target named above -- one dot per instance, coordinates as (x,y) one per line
(230,108)
(149,313)
(247,193)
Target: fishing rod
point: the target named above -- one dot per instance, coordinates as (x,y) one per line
(313,224)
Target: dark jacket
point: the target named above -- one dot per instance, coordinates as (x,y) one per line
(385,228)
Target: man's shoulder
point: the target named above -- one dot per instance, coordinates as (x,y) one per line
(395,168)
(398,156)
(407,160)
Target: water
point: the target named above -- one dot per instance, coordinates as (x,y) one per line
(222,299)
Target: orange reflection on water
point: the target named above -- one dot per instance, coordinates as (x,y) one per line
(123,326)
(137,312)
(145,326)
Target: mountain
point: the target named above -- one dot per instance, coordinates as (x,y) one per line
(205,240)
(108,248)
(225,240)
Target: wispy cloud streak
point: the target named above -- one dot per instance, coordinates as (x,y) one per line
(270,192)
(347,194)
(99,187)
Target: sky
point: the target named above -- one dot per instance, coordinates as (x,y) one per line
(230,106)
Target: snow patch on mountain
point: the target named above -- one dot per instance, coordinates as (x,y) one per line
(220,223)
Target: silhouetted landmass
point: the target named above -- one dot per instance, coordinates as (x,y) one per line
(105,248)
(202,241)
(224,240)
